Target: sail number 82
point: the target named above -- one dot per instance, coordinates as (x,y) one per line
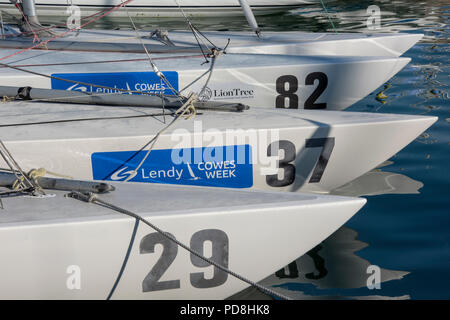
(287,87)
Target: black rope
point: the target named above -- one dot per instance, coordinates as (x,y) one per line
(81,119)
(125,260)
(198,42)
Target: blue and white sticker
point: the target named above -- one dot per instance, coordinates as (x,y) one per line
(147,82)
(224,166)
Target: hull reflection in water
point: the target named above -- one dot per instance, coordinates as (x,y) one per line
(378,182)
(333,269)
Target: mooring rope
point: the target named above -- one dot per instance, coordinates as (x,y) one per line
(328,15)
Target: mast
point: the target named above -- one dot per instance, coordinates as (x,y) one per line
(250,17)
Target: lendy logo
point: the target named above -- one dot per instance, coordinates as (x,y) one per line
(123,174)
(103,83)
(161,166)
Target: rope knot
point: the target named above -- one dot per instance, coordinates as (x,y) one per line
(24,181)
(188,109)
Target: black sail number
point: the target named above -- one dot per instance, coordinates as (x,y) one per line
(170,251)
(327,145)
(285,164)
(323,84)
(287,87)
(219,241)
(220,253)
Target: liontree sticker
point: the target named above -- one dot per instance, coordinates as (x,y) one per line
(132,81)
(224,166)
(227,94)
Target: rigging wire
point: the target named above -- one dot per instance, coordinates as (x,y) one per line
(196,32)
(43,43)
(154,67)
(99,62)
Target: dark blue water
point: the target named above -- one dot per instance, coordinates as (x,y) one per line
(410,232)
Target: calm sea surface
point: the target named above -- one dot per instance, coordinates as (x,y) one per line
(405,227)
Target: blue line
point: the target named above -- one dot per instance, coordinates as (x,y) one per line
(125,261)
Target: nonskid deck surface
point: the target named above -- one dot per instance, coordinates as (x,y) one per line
(60,61)
(286,42)
(29,121)
(289,43)
(152,201)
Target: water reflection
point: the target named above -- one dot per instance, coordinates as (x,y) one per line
(329,271)
(334,268)
(377,182)
(333,264)
(430,17)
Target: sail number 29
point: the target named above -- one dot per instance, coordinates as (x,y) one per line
(287,87)
(219,253)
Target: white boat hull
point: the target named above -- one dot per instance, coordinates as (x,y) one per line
(165,8)
(260,81)
(285,43)
(282,150)
(61,248)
